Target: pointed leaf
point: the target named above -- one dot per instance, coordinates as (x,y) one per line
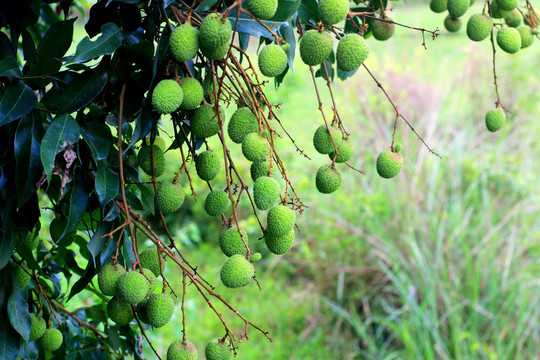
(99,241)
(110,39)
(9,67)
(107,183)
(9,341)
(82,90)
(97,138)
(18,314)
(17,101)
(77,207)
(64,129)
(57,40)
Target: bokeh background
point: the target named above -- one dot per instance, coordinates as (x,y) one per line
(441,262)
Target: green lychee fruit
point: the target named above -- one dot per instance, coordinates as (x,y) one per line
(262,9)
(169,197)
(280,221)
(389,164)
(332,12)
(207,165)
(255,147)
(452,25)
(266,192)
(351,52)
(397,147)
(216,349)
(438,6)
(279,245)
(479,27)
(231,243)
(328,179)
(51,340)
(167,96)
(145,160)
(180,350)
(242,122)
(184,42)
(133,287)
(38,327)
(496,12)
(205,121)
(526,36)
(507,5)
(457,8)
(315,47)
(215,53)
(119,311)
(513,19)
(345,151)
(382,30)
(152,282)
(158,141)
(237,272)
(272,60)
(495,119)
(322,140)
(215,31)
(217,202)
(159,309)
(193,93)
(260,168)
(255,257)
(509,40)
(108,279)
(150,260)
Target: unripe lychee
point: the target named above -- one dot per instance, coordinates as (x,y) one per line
(184,42)
(119,311)
(180,350)
(207,165)
(167,96)
(193,93)
(215,31)
(479,27)
(51,340)
(255,147)
(382,30)
(513,19)
(452,25)
(495,119)
(322,140)
(237,272)
(231,242)
(345,151)
(280,220)
(262,9)
(315,47)
(279,245)
(332,12)
(509,40)
(217,350)
(145,160)
(457,8)
(272,60)
(260,168)
(159,309)
(149,259)
(108,279)
(389,164)
(242,122)
(351,52)
(169,197)
(133,287)
(38,327)
(526,36)
(266,192)
(217,202)
(438,6)
(328,179)
(205,121)
(507,5)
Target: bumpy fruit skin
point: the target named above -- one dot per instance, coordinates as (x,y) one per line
(266,192)
(108,279)
(215,53)
(216,350)
(242,122)
(214,31)
(327,179)
(184,42)
(38,327)
(322,141)
(438,6)
(152,282)
(255,257)
(180,350)
(272,60)
(398,147)
(207,165)
(479,27)
(51,340)
(193,93)
(345,150)
(457,8)
(526,36)
(159,309)
(231,243)
(255,147)
(22,275)
(263,9)
(495,119)
(119,311)
(217,202)
(509,40)
(133,287)
(496,11)
(507,5)
(333,11)
(513,19)
(144,157)
(389,164)
(382,30)
(158,141)
(205,121)
(315,47)
(167,96)
(280,220)
(351,52)
(279,245)
(237,272)
(169,198)
(260,168)
(452,25)
(150,259)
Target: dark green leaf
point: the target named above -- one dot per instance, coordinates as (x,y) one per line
(110,39)
(77,208)
(84,280)
(82,90)
(9,341)
(17,101)
(98,241)
(9,67)
(18,314)
(27,154)
(285,10)
(309,10)
(98,138)
(147,197)
(57,40)
(107,183)
(64,129)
